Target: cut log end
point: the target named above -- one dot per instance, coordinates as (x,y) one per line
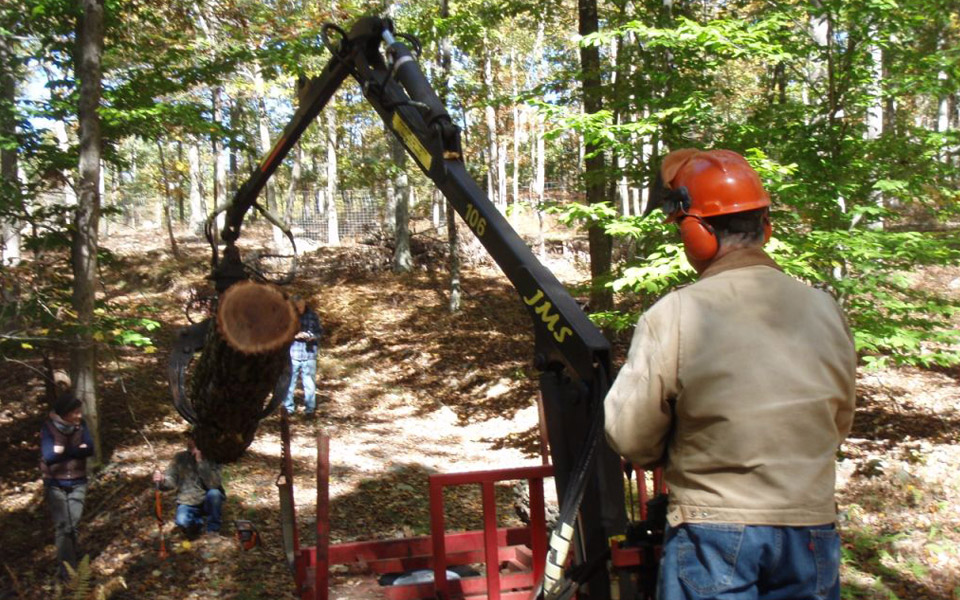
(256,318)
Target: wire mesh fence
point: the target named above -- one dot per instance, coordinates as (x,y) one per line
(359,213)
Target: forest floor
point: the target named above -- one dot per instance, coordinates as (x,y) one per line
(407,389)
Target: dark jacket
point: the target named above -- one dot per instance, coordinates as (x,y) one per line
(191,479)
(63,462)
(309,324)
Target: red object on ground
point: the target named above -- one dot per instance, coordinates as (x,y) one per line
(521,549)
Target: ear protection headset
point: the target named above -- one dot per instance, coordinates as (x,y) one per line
(698,237)
(697,185)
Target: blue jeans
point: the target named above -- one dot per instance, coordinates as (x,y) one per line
(307,370)
(726,561)
(191,518)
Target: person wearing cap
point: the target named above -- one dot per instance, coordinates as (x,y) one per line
(200,493)
(65,444)
(742,385)
(303,358)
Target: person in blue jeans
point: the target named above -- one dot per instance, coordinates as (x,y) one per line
(200,493)
(303,358)
(742,385)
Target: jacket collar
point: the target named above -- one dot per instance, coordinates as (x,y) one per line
(61,425)
(739,258)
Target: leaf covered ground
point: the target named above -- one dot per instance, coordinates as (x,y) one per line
(407,389)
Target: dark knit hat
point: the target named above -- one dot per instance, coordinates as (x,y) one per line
(66,404)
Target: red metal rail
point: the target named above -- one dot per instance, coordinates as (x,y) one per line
(522,547)
(487,479)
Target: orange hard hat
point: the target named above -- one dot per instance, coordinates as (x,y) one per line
(716,182)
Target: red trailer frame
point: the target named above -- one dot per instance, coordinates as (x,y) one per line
(521,549)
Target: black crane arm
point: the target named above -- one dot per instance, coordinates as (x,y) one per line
(571,353)
(411,109)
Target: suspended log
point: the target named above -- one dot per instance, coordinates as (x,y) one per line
(244,355)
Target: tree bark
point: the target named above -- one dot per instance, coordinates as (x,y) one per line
(333,223)
(198,212)
(538,147)
(83,358)
(295,175)
(453,240)
(167,201)
(219,162)
(515,169)
(208,23)
(402,259)
(9,226)
(601,298)
(181,205)
(263,128)
(490,118)
(243,356)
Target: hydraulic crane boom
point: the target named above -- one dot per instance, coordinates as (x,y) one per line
(571,353)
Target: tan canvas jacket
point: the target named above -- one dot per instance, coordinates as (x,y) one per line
(744,382)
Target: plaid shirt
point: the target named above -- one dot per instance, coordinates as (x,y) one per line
(309,323)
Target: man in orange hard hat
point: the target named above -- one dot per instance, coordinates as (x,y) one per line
(742,385)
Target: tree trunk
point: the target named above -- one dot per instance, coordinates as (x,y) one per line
(244,355)
(539,148)
(181,205)
(400,185)
(167,201)
(490,118)
(618,56)
(874,116)
(601,298)
(296,173)
(219,162)
(198,213)
(390,204)
(333,223)
(83,359)
(263,128)
(209,25)
(9,227)
(515,170)
(66,181)
(402,260)
(453,240)
(233,158)
(398,192)
(502,175)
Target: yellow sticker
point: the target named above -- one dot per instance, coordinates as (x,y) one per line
(411,141)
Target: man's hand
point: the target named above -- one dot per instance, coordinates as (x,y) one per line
(157,477)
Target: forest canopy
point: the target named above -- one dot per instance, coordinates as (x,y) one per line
(850,111)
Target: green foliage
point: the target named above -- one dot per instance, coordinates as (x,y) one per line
(80,583)
(871,272)
(790,85)
(839,195)
(37,314)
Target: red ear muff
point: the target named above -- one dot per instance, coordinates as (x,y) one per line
(767,229)
(698,238)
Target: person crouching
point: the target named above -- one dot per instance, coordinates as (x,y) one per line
(200,493)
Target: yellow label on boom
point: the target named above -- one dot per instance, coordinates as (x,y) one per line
(542,307)
(411,141)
